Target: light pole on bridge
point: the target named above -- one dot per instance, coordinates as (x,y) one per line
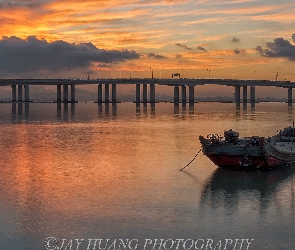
(209,71)
(152,73)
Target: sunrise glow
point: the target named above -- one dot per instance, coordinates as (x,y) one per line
(244,36)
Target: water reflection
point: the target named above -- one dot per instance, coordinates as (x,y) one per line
(65,112)
(145,109)
(290,113)
(115,177)
(138,111)
(107,111)
(65,115)
(238,111)
(153,109)
(73,105)
(58,111)
(245,106)
(252,106)
(100,111)
(20,111)
(13,112)
(227,187)
(114,110)
(17,112)
(191,108)
(68,111)
(176,109)
(290,108)
(183,109)
(27,111)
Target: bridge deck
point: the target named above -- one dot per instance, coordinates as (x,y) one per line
(168,82)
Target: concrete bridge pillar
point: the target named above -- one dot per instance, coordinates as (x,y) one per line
(99,93)
(252,94)
(183,94)
(144,93)
(245,94)
(290,95)
(191,94)
(114,93)
(238,93)
(137,98)
(27,93)
(152,93)
(20,93)
(13,93)
(66,93)
(73,93)
(106,93)
(58,93)
(176,94)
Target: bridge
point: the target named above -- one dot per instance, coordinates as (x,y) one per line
(63,85)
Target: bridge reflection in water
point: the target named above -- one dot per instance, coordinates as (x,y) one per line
(21,111)
(25,111)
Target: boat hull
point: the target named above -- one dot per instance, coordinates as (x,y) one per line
(237,161)
(234,155)
(275,157)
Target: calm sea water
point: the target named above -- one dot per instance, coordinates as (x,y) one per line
(88,172)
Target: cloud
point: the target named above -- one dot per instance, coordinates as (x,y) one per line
(201,48)
(189,48)
(278,48)
(22,3)
(184,46)
(25,55)
(156,56)
(235,40)
(239,51)
(293,37)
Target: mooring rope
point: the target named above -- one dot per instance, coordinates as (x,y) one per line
(191,160)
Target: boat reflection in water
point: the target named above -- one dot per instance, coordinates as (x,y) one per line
(235,189)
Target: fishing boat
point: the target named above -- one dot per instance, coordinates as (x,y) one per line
(279,150)
(231,151)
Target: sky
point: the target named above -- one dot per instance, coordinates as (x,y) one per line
(243,39)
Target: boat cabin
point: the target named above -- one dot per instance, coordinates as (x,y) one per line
(231,136)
